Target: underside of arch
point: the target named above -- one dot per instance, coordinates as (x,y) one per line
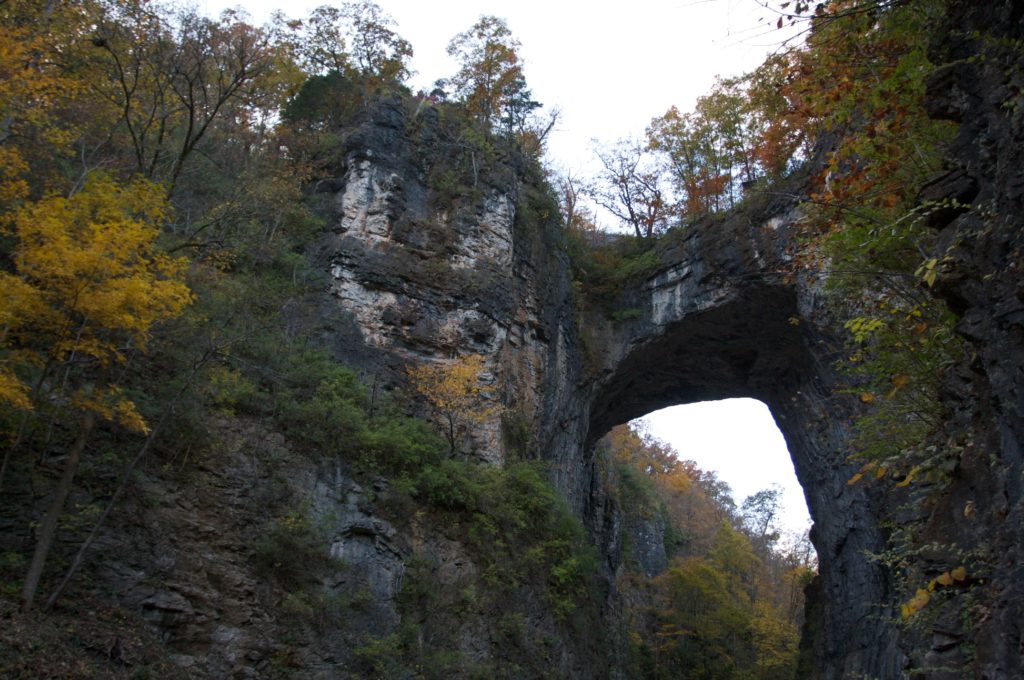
(748,347)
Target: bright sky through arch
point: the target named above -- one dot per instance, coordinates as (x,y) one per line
(739,440)
(610,68)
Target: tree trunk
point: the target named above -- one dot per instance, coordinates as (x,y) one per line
(451,434)
(125,478)
(49,527)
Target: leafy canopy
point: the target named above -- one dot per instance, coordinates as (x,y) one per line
(87,281)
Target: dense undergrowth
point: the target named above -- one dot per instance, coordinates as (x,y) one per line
(527,548)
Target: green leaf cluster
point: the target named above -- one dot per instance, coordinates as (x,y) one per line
(601,270)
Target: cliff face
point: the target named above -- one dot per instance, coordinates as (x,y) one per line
(413,281)
(721,318)
(978,86)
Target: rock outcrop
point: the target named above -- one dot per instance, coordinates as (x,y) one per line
(722,317)
(415,282)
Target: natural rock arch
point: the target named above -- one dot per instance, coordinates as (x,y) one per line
(727,316)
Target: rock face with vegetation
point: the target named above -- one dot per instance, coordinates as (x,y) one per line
(981,250)
(348,401)
(418,276)
(719,317)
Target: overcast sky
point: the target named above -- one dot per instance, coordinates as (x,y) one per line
(610,68)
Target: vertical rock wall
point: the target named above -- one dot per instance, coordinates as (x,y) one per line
(417,280)
(979,520)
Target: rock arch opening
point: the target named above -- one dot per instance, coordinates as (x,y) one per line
(750,347)
(740,442)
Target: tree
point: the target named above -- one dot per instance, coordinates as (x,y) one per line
(723,609)
(759,512)
(576,216)
(712,621)
(775,644)
(518,105)
(170,84)
(36,88)
(89,286)
(632,190)
(637,447)
(490,77)
(710,151)
(782,136)
(377,50)
(736,128)
(318,40)
(454,393)
(353,38)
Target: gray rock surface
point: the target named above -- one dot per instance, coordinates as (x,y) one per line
(720,318)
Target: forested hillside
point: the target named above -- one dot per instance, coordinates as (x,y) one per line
(285,350)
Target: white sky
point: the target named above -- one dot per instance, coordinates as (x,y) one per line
(738,439)
(610,67)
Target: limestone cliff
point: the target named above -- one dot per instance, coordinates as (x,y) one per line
(721,317)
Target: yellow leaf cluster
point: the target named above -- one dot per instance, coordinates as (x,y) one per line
(922,597)
(862,327)
(948,578)
(915,604)
(87,281)
(12,171)
(90,263)
(13,391)
(899,381)
(111,404)
(455,394)
(928,271)
(910,477)
(872,467)
(33,88)
(454,388)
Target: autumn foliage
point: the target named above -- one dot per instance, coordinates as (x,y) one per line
(88,277)
(455,394)
(730,603)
